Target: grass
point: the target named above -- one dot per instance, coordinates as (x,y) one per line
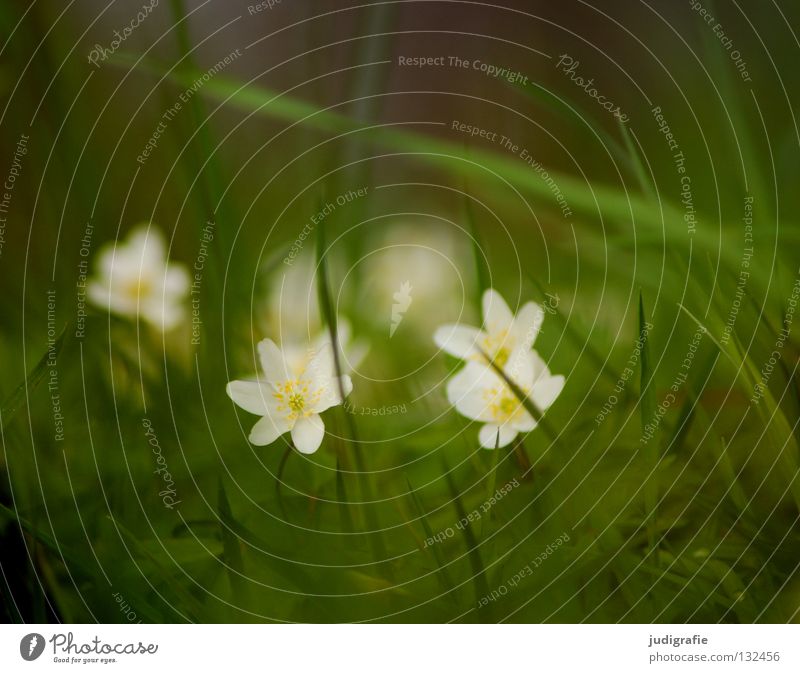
(700,524)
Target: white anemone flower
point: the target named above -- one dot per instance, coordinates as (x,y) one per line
(502,332)
(136,280)
(481,394)
(290,401)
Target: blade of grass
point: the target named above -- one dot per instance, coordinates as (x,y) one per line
(635,160)
(13,402)
(492,479)
(568,327)
(444,575)
(482,274)
(329,317)
(47,541)
(735,491)
(647,405)
(473,553)
(279,481)
(191,607)
(341,495)
(524,399)
(767,408)
(575,114)
(231,548)
(618,205)
(691,406)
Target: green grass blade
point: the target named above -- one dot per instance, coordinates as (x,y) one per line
(473,552)
(635,160)
(572,332)
(482,275)
(12,404)
(647,405)
(524,399)
(444,575)
(231,547)
(190,606)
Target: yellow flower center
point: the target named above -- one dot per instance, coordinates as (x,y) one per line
(503,404)
(508,406)
(138,288)
(501,356)
(297,398)
(498,347)
(296,402)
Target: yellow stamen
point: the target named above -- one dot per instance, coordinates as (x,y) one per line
(296,402)
(296,398)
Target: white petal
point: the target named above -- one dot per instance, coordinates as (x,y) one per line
(251,396)
(521,367)
(176,280)
(106,261)
(267,430)
(524,422)
(468,391)
(321,365)
(163,316)
(546,390)
(147,242)
(473,376)
(528,324)
(296,357)
(496,314)
(488,435)
(273,363)
(98,294)
(343,332)
(354,354)
(307,433)
(540,368)
(331,396)
(143,253)
(459,340)
(474,405)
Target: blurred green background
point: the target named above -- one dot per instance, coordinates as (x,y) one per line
(700,523)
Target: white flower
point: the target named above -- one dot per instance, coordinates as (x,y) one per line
(290,401)
(351,352)
(291,311)
(501,335)
(136,281)
(480,393)
(419,252)
(292,317)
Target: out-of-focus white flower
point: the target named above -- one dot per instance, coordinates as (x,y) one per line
(480,393)
(135,280)
(402,302)
(292,317)
(420,253)
(291,311)
(290,401)
(351,352)
(502,332)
